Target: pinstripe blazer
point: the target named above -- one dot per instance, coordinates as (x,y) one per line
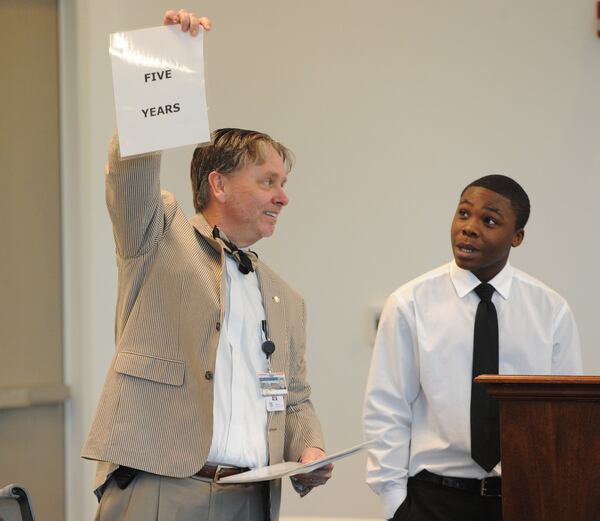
(155,410)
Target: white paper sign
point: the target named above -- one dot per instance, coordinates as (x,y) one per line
(158,81)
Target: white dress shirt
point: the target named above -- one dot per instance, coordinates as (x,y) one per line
(419,389)
(239,410)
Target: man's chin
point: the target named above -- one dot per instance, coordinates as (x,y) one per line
(267,232)
(465,264)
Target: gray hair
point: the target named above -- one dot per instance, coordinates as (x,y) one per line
(229,150)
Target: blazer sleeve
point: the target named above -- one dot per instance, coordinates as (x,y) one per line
(302,426)
(133,199)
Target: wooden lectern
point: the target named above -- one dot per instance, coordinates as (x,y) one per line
(550,441)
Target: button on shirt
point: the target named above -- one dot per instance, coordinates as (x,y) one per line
(419,389)
(239,410)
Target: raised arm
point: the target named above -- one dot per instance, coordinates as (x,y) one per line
(132,184)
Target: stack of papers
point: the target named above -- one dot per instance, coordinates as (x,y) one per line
(291,468)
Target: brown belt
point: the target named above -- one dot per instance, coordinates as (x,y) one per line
(216,472)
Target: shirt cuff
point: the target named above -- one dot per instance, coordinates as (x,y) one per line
(392,499)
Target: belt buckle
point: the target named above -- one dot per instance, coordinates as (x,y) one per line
(218,473)
(483,490)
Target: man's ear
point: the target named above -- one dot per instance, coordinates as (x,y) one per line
(518,238)
(216,181)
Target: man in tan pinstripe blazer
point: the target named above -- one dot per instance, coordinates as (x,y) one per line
(182,404)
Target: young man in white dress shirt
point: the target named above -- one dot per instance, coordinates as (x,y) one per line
(417,403)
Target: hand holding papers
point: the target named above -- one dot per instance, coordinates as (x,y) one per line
(158,81)
(291,468)
(303,483)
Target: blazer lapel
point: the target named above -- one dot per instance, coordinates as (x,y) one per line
(203,228)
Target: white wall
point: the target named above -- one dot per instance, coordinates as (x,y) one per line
(391,108)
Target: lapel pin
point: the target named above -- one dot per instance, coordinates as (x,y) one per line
(276,299)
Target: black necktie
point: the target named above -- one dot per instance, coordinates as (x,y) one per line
(240,256)
(485,416)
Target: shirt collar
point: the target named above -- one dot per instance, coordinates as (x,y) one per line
(464,281)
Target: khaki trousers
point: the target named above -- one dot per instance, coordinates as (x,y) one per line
(159,498)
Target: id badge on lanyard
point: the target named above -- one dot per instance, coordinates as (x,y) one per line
(272,385)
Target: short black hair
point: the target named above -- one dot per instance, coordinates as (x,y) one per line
(509,188)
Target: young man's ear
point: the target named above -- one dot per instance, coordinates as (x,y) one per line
(518,238)
(216,181)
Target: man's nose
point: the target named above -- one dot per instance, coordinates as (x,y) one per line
(281,197)
(469,230)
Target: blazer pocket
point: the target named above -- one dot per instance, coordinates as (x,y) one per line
(152,368)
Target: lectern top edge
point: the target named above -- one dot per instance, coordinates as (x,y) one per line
(537,379)
(524,387)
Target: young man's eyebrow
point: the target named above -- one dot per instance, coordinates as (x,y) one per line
(493,209)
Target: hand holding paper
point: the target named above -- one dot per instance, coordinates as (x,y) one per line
(189,22)
(315,478)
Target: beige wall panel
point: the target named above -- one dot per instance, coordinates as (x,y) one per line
(30,302)
(31,438)
(31,454)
